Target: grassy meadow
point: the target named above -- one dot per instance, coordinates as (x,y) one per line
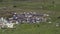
(53,9)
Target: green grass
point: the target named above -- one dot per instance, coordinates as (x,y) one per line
(44,28)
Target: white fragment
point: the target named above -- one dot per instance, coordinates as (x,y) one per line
(46,15)
(37,21)
(49,22)
(9,25)
(15,13)
(17,22)
(57,24)
(2,18)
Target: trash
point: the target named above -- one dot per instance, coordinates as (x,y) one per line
(46,15)
(49,22)
(57,24)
